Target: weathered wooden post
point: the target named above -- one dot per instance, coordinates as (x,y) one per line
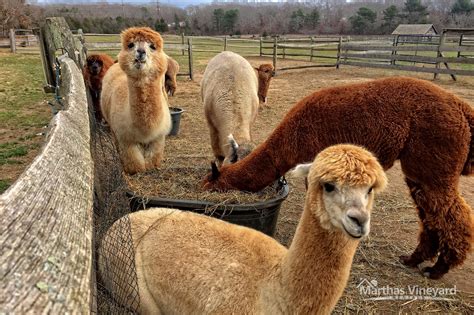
(225,42)
(284,49)
(440,55)
(190,57)
(394,50)
(261,46)
(12,41)
(182,43)
(338,52)
(275,47)
(312,49)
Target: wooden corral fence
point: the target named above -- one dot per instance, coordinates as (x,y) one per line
(430,54)
(313,49)
(46,215)
(23,41)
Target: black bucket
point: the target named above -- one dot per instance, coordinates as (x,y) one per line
(175,120)
(261,216)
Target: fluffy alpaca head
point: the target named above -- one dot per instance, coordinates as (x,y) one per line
(237,152)
(341,185)
(142,53)
(95,68)
(265,73)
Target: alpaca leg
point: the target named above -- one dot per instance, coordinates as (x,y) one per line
(155,152)
(456,235)
(132,158)
(215,144)
(428,242)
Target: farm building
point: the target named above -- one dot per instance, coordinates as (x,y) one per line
(415,32)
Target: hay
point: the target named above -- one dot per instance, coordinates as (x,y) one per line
(181,179)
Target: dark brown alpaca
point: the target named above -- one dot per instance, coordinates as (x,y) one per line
(425,127)
(94,71)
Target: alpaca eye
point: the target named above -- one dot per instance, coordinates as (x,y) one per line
(370,190)
(152,47)
(329,187)
(131,45)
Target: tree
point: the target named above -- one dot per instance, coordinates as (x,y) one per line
(312,19)
(229,20)
(217,17)
(390,18)
(414,12)
(296,21)
(462,7)
(363,21)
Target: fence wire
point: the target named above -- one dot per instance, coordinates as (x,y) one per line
(111,204)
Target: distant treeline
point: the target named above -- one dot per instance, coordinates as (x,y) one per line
(329,17)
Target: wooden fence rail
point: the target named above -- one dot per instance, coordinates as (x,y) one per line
(389,57)
(46,216)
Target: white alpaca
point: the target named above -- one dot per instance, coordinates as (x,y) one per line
(231,90)
(133,100)
(188,263)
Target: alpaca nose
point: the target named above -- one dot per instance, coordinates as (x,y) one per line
(358,218)
(141,54)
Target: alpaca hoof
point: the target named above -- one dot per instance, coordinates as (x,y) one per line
(432,273)
(409,261)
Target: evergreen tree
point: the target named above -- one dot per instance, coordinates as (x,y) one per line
(391,19)
(415,12)
(229,20)
(217,18)
(296,21)
(462,7)
(312,19)
(363,21)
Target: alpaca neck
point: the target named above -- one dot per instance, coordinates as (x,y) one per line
(146,99)
(315,270)
(262,90)
(287,146)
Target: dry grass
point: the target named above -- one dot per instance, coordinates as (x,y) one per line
(181,179)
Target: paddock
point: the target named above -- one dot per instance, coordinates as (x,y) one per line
(394,224)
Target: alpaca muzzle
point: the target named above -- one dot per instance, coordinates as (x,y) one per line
(356,223)
(140,55)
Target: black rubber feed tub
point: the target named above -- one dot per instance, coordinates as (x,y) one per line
(175,120)
(261,216)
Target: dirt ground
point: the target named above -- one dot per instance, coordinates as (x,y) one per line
(394,225)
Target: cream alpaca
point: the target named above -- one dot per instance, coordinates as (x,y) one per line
(189,263)
(133,101)
(231,90)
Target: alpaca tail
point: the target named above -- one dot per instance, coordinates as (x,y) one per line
(469,165)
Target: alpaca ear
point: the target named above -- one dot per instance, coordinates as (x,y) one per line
(301,170)
(214,171)
(233,149)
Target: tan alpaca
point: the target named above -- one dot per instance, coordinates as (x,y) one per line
(192,264)
(133,100)
(170,76)
(231,91)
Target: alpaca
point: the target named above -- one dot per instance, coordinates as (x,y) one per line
(93,72)
(424,126)
(170,76)
(133,101)
(188,263)
(230,91)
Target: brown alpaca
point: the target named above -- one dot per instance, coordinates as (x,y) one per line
(133,101)
(427,128)
(188,263)
(170,76)
(94,71)
(231,93)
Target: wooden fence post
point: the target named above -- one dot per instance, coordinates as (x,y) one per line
(440,54)
(225,42)
(394,51)
(284,49)
(338,52)
(275,44)
(182,43)
(261,46)
(12,41)
(312,49)
(190,56)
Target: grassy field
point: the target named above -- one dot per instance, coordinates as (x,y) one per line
(23,113)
